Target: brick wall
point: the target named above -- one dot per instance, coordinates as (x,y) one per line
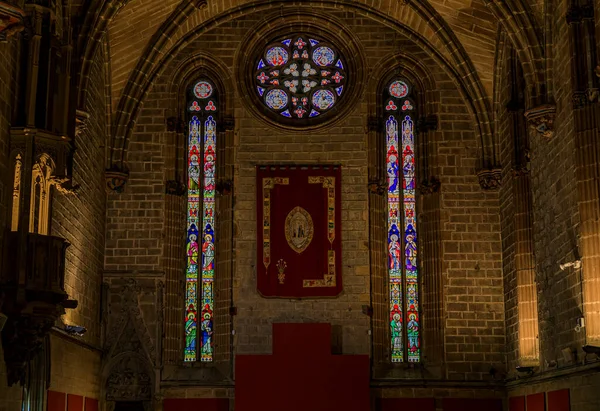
(556,216)
(80,218)
(75,367)
(470,232)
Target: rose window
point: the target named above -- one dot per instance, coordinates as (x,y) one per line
(300,77)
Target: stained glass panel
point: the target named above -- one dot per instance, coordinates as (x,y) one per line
(402,228)
(302,77)
(394,247)
(200,243)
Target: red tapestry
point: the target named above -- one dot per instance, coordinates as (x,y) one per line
(302,374)
(299,231)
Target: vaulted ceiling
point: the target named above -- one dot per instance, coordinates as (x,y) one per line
(139,29)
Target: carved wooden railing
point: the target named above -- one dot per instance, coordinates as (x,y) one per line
(32,295)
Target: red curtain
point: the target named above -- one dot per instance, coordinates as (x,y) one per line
(302,374)
(472,404)
(299,231)
(57,401)
(516,403)
(91,404)
(405,404)
(536,402)
(74,402)
(559,400)
(196,404)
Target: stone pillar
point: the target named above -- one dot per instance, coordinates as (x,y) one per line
(525,269)
(586,114)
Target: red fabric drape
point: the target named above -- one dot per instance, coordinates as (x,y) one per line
(57,401)
(302,374)
(196,404)
(315,193)
(405,404)
(536,402)
(472,404)
(74,402)
(91,404)
(559,400)
(516,403)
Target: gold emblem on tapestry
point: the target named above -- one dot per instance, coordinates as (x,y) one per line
(281,266)
(299,229)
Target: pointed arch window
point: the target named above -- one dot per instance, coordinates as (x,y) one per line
(403,277)
(200,232)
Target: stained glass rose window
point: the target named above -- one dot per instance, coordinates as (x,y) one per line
(300,77)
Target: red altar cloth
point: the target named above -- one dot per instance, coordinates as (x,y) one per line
(302,374)
(299,231)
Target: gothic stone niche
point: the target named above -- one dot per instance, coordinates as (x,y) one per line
(129,380)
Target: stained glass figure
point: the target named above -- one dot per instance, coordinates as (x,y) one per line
(323,56)
(277,56)
(402,230)
(302,86)
(200,243)
(276,99)
(323,99)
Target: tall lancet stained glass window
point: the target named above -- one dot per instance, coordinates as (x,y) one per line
(402,224)
(200,234)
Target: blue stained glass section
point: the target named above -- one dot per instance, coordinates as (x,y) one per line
(314,113)
(261,91)
(286,113)
(339,90)
(313,42)
(339,64)
(287,42)
(261,64)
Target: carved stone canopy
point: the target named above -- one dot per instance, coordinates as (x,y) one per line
(490,178)
(542,118)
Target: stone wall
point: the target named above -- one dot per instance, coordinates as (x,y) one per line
(470,216)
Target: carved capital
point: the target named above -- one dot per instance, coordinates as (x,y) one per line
(81,122)
(175,124)
(175,188)
(224,186)
(376,187)
(577,13)
(521,170)
(199,4)
(427,123)
(490,179)
(115,180)
(542,119)
(11,20)
(373,123)
(430,186)
(228,123)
